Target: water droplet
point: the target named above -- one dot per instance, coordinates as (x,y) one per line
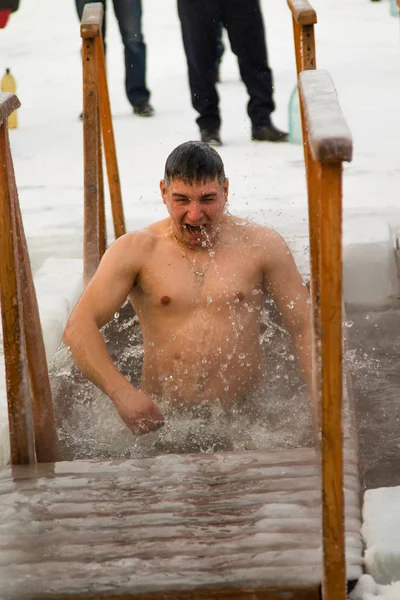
(349,324)
(290,305)
(242,356)
(204,361)
(116,315)
(209,299)
(151,344)
(173,337)
(185,372)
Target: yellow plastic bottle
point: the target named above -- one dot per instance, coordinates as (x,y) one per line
(8,84)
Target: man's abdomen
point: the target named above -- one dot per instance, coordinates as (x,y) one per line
(211,365)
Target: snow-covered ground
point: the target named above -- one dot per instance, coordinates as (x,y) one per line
(358,42)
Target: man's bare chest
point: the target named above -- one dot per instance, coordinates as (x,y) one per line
(216,281)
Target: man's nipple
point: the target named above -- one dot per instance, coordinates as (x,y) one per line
(165,300)
(239,296)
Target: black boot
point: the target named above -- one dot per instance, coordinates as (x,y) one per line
(210,137)
(268,133)
(143,109)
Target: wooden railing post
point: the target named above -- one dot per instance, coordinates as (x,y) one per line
(17,379)
(330,145)
(30,408)
(304,18)
(91,152)
(46,443)
(97,125)
(110,152)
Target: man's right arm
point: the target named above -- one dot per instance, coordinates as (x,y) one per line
(103,296)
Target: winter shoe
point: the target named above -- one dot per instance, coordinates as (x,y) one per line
(268,133)
(210,137)
(143,109)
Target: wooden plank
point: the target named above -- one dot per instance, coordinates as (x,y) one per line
(221,594)
(99,581)
(91,137)
(329,136)
(110,152)
(334,585)
(92,20)
(302,12)
(308,54)
(167,525)
(304,45)
(101,216)
(18,394)
(40,397)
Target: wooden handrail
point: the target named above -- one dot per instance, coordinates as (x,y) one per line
(302,12)
(330,143)
(30,408)
(328,134)
(97,125)
(8,103)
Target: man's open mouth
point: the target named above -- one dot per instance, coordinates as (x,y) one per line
(195,229)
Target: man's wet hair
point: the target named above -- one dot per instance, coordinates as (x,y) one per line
(194,162)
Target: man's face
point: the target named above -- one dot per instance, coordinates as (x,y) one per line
(195,209)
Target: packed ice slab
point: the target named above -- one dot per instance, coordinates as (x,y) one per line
(381,533)
(368,589)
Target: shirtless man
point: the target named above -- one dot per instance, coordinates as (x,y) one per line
(197,281)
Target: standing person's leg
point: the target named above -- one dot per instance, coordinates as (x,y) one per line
(80,4)
(129,17)
(244,23)
(200,22)
(220,51)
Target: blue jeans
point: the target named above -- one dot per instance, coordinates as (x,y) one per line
(129,17)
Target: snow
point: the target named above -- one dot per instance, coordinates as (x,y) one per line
(381,533)
(357,43)
(368,589)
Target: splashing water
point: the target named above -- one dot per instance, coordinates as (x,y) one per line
(278,416)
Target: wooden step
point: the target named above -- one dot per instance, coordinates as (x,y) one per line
(224,525)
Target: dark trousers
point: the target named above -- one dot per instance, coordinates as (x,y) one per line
(200,23)
(129,17)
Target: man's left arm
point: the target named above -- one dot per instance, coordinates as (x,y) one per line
(284,283)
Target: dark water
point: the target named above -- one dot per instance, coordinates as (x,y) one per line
(90,427)
(374,360)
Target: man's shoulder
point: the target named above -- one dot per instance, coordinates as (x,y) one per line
(255,233)
(145,238)
(132,248)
